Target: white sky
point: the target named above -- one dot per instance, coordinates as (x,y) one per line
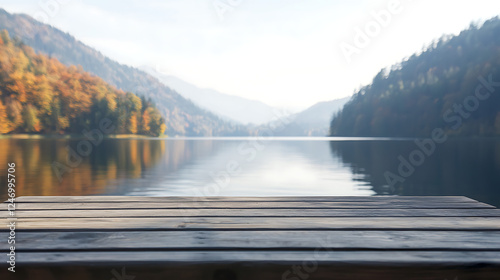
(285,53)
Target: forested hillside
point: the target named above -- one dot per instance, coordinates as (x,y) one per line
(453,85)
(39,94)
(182,116)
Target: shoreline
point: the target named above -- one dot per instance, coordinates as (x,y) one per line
(76,136)
(316,138)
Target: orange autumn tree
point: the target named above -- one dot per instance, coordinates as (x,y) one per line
(4,121)
(39,94)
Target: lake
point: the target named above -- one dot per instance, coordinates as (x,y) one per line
(253,167)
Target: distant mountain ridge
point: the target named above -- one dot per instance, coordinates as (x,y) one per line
(320,114)
(182,116)
(229,107)
(313,121)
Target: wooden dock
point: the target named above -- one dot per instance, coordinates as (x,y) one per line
(226,238)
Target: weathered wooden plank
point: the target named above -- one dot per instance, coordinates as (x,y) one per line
(256,238)
(263,240)
(103,213)
(252,205)
(270,223)
(112,199)
(392,258)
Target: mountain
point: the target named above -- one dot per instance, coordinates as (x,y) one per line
(315,120)
(39,94)
(450,88)
(182,116)
(229,107)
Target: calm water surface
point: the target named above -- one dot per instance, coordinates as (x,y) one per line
(250,167)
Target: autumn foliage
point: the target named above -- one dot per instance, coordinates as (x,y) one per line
(39,94)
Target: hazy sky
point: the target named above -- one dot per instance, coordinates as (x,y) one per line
(286,53)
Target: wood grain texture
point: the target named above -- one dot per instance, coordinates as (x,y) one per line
(272,240)
(106,213)
(274,257)
(269,223)
(254,238)
(111,199)
(375,204)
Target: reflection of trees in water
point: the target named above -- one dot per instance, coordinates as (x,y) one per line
(181,152)
(178,154)
(465,167)
(103,171)
(111,160)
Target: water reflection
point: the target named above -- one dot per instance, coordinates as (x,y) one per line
(108,162)
(188,167)
(457,167)
(180,167)
(264,168)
